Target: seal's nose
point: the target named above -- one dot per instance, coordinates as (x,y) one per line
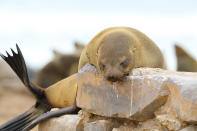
(112,78)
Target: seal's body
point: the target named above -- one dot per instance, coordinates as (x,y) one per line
(114,52)
(60,67)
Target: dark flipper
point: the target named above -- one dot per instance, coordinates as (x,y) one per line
(17,63)
(20,122)
(68,110)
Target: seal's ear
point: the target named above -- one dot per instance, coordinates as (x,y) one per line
(56,53)
(134,49)
(78,46)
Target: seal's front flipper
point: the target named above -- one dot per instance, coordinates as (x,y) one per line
(68,110)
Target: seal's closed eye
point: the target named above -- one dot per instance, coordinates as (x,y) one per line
(125,63)
(102,66)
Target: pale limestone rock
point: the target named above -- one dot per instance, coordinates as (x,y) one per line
(170,123)
(100,125)
(137,97)
(149,93)
(183,97)
(63,123)
(167,118)
(189,128)
(140,95)
(123,128)
(181,106)
(150,125)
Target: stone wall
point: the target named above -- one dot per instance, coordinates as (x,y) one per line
(147,100)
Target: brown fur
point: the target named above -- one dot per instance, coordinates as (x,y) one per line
(62,66)
(113,47)
(56,70)
(185,62)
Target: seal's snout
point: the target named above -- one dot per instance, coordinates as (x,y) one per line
(113,78)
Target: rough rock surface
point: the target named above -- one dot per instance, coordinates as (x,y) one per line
(100,125)
(189,128)
(183,97)
(135,98)
(148,100)
(181,106)
(150,125)
(63,123)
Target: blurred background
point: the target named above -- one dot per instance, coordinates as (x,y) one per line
(50,33)
(41,26)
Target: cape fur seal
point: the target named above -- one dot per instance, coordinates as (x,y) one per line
(60,67)
(114,52)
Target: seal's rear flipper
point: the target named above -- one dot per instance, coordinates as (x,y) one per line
(17,63)
(23,120)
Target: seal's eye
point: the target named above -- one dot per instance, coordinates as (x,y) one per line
(102,66)
(125,63)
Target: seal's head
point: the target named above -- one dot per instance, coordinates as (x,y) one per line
(115,56)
